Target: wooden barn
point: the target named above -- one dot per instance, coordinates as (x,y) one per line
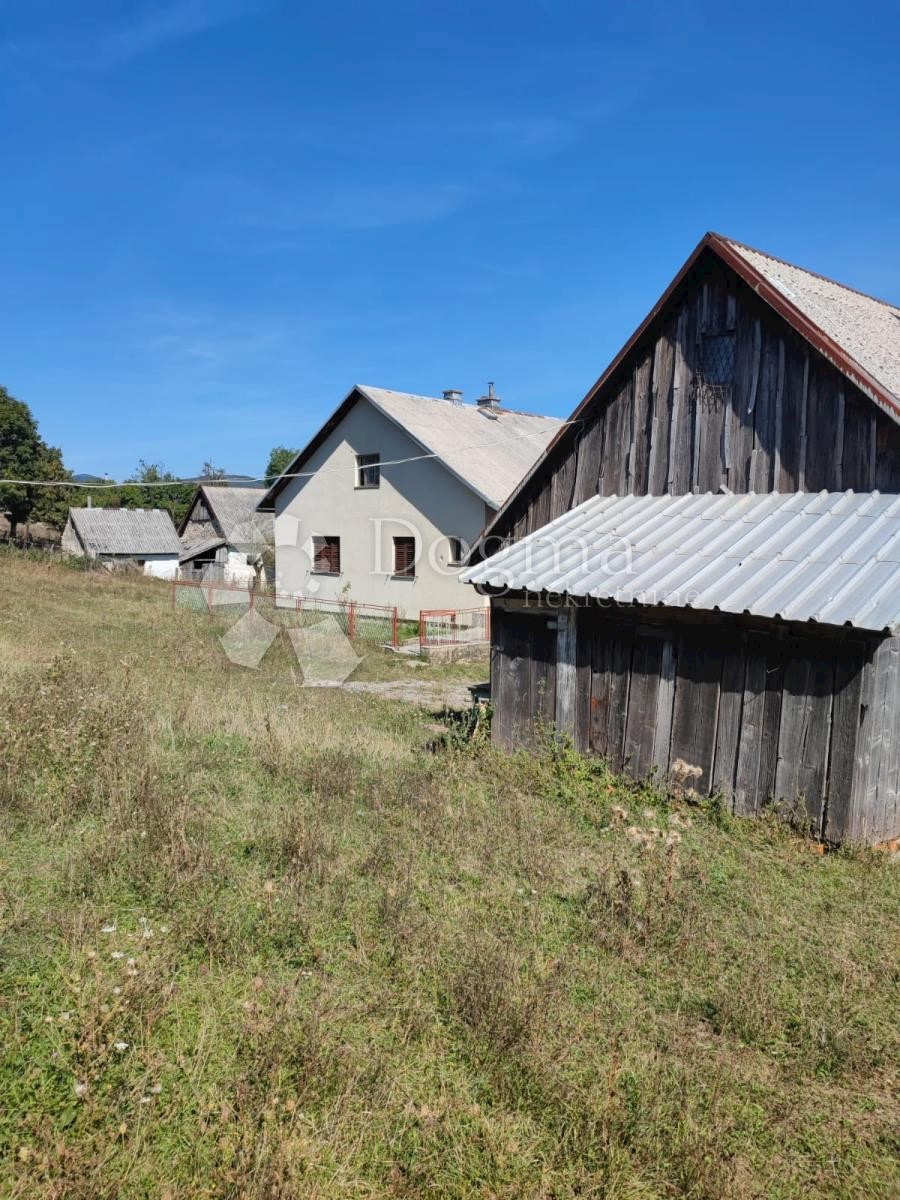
(704,567)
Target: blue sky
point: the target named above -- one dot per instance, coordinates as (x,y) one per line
(220,214)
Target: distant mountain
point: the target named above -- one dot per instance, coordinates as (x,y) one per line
(232,480)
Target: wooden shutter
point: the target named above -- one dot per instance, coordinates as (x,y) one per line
(327,555)
(405,556)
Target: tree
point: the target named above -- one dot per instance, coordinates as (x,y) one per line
(279,461)
(152,486)
(211,472)
(25,455)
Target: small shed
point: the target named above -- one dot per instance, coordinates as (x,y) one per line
(121,537)
(223,536)
(754,637)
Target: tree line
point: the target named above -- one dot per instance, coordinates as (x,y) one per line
(24,455)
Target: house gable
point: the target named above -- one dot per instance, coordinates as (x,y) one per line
(725,385)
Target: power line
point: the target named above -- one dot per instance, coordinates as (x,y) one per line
(164,483)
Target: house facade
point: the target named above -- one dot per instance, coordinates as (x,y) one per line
(387,498)
(666,590)
(124,537)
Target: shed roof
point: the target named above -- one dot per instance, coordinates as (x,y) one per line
(832,558)
(196,549)
(235,510)
(132,531)
(487,449)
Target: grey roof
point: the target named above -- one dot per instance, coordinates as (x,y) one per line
(125,530)
(235,510)
(194,549)
(833,558)
(867,329)
(490,450)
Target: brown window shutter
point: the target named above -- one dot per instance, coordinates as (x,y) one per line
(327,555)
(405,556)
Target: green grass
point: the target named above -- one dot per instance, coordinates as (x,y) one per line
(364,968)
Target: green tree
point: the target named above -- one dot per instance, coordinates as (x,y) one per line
(152,486)
(24,455)
(211,472)
(279,460)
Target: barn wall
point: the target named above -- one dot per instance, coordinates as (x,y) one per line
(766,712)
(789,421)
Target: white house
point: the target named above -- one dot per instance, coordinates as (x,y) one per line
(124,537)
(383,503)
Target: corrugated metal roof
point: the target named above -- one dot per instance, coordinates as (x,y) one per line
(235,510)
(195,549)
(490,450)
(833,558)
(866,328)
(125,530)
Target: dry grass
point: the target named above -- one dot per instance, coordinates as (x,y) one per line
(259,942)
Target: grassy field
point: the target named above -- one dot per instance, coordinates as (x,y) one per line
(263,941)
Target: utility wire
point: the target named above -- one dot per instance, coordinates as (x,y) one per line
(166,483)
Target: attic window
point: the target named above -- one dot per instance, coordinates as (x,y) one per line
(368,470)
(714,375)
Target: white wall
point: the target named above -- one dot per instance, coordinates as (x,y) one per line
(421,499)
(161,566)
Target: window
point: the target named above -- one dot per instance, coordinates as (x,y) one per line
(327,555)
(713,379)
(405,557)
(368,471)
(457,552)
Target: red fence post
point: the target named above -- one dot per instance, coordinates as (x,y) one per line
(421,629)
(173,593)
(395,628)
(351,620)
(487,623)
(252,598)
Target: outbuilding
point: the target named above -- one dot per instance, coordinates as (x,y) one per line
(124,537)
(702,572)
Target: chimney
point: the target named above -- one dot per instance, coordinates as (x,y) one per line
(490,400)
(454,395)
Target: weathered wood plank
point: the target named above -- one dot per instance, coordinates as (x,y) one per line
(619,684)
(746,780)
(678,479)
(566,642)
(640,727)
(665,700)
(845,724)
(804,730)
(661,419)
(639,457)
(584,623)
(588,458)
(731,702)
(696,707)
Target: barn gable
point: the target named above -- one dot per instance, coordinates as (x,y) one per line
(748,375)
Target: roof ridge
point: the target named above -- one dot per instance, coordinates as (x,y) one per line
(503,408)
(806,270)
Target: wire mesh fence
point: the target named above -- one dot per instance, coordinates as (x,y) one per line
(373,623)
(454,626)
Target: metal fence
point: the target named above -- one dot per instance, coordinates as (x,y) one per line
(375,623)
(454,626)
